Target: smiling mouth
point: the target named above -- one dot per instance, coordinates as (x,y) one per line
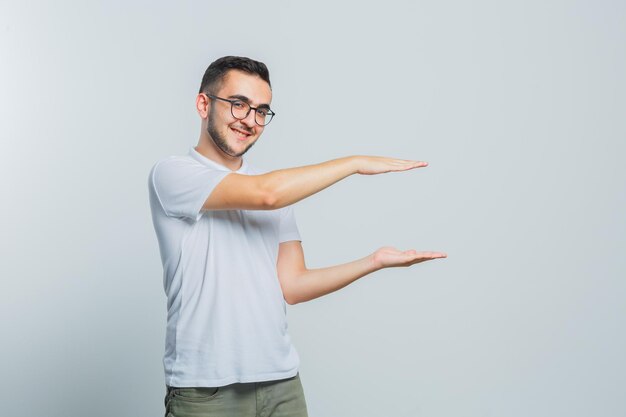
(240,133)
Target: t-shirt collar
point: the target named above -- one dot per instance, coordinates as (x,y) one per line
(211,163)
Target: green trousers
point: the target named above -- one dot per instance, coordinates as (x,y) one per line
(281,398)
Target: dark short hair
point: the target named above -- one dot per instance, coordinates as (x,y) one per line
(215,73)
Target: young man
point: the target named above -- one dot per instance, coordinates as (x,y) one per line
(232,254)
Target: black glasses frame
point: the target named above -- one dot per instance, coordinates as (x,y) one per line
(270,112)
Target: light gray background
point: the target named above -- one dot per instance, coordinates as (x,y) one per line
(517,106)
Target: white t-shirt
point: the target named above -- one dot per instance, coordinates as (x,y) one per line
(226,314)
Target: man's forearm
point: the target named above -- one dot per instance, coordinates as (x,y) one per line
(288,186)
(314,283)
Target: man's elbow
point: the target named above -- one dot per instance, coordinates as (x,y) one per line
(266,192)
(293,282)
(274,200)
(292,296)
(291,300)
(270,201)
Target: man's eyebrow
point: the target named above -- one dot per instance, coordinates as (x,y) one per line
(247,100)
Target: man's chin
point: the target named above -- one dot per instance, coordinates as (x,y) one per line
(236,154)
(246,149)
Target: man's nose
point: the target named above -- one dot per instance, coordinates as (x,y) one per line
(249,119)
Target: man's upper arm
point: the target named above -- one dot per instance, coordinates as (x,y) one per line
(238,191)
(289,266)
(184,188)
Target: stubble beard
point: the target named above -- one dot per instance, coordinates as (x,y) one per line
(220,141)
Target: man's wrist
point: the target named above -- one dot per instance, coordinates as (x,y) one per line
(353,162)
(373,263)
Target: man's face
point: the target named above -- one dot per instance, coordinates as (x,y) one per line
(234,137)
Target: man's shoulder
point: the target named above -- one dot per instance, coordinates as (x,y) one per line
(175,160)
(174,167)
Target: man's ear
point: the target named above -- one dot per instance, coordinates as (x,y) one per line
(203,105)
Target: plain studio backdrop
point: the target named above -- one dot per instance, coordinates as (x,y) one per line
(518,106)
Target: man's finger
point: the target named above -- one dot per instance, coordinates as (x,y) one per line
(430,255)
(415,164)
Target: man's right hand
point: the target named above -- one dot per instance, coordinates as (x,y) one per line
(370,165)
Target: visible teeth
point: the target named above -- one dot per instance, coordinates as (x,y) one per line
(243,133)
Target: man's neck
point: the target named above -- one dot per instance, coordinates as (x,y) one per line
(212,152)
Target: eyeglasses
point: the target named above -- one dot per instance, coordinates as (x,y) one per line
(240,110)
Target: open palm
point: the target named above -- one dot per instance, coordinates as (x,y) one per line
(370,165)
(391,257)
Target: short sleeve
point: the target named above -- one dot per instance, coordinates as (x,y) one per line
(182,186)
(288,227)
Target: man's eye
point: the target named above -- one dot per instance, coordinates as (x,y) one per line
(239,104)
(262,112)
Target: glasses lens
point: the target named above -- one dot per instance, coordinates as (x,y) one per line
(263,116)
(240,109)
